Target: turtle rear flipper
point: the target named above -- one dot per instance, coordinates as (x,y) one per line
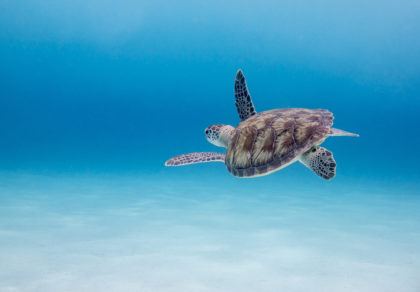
(320,161)
(338,132)
(243,99)
(195,157)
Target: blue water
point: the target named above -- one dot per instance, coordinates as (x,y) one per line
(96,95)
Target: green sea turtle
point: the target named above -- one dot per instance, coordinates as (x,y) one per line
(269,141)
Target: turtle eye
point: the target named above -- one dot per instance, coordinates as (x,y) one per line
(313,149)
(207,131)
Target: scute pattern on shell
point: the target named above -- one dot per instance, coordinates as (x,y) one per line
(269,140)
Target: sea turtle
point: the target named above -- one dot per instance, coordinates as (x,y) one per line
(269,141)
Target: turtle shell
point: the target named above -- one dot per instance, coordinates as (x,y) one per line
(270,140)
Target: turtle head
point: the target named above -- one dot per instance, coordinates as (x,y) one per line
(219,135)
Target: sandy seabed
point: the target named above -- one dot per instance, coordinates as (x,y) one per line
(70,233)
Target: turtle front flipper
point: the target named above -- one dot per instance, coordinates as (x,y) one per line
(320,161)
(243,99)
(195,157)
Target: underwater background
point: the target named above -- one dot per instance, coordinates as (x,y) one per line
(96,95)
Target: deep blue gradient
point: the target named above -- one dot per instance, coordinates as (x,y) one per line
(101,85)
(98,94)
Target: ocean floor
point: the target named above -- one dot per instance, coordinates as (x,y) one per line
(155,233)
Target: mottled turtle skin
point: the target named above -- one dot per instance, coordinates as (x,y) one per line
(270,140)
